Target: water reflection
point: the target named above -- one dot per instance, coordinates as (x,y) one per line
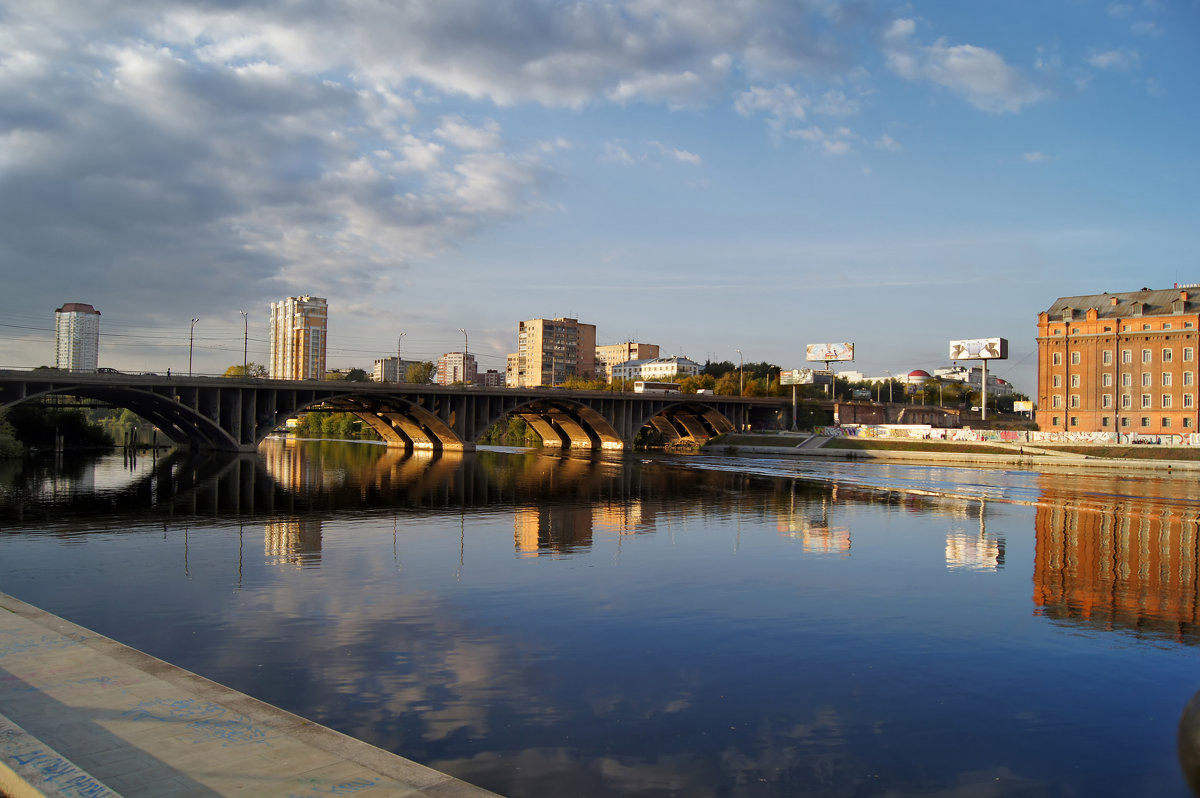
(548,624)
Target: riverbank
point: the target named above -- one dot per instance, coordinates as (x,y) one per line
(85,715)
(1102,456)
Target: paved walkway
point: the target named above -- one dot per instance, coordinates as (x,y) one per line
(83,715)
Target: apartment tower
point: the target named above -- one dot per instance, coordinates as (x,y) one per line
(298,333)
(550,351)
(1120,362)
(76,337)
(609,355)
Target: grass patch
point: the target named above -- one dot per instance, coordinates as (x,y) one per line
(1147,452)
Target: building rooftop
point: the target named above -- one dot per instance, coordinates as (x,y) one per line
(1146,302)
(77,307)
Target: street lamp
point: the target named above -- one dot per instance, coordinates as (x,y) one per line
(399,360)
(245,345)
(191,340)
(740,389)
(466,344)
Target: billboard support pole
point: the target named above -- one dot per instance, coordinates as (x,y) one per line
(984,389)
(794,426)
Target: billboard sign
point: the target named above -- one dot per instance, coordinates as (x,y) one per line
(1022,407)
(979,349)
(828,352)
(805,377)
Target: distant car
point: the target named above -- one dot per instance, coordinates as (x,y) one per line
(976,409)
(107,371)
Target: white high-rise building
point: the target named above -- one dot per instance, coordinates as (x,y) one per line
(456,367)
(76,337)
(298,333)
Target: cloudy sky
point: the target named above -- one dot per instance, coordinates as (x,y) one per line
(707,175)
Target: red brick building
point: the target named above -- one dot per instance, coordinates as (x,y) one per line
(1120,362)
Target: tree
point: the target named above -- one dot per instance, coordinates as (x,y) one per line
(247,370)
(421,373)
(9,445)
(718,368)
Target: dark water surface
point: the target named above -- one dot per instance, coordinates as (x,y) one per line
(547,625)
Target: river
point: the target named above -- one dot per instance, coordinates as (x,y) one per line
(548,625)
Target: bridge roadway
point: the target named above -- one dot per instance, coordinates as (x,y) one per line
(235,414)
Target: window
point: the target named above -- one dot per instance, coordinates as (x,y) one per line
(1187,325)
(1108,357)
(1145,326)
(1126,355)
(1146,355)
(1166,422)
(1074,400)
(1166,401)
(1188,353)
(1106,400)
(1057,380)
(1127,379)
(1145,401)
(1145,421)
(1074,358)
(1074,421)
(1167,326)
(1187,422)
(1056,359)
(1056,421)
(1056,401)
(1166,355)
(1188,399)
(1074,380)
(1188,376)
(1125,421)
(1146,379)
(1166,379)
(1126,401)
(1106,380)
(1104,421)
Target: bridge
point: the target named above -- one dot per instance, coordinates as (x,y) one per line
(236,414)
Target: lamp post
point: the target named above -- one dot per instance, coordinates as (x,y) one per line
(466,344)
(741,390)
(245,345)
(191,340)
(399,359)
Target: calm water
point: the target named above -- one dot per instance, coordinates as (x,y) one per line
(553,626)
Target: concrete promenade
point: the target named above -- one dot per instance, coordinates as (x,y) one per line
(83,715)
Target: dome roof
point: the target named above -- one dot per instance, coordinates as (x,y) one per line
(919,373)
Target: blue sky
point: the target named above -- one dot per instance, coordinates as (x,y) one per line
(708,176)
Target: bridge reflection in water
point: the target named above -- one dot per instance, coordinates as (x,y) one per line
(1101,559)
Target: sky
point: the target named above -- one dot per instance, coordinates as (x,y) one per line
(728,179)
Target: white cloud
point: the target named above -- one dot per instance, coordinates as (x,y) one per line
(683,156)
(978,74)
(1121,59)
(458,132)
(836,142)
(888,144)
(615,153)
(1145,29)
(1035,157)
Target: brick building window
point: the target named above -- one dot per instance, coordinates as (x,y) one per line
(1166,422)
(1074,400)
(1146,379)
(1188,376)
(1057,380)
(1126,355)
(1056,401)
(1056,358)
(1127,379)
(1074,380)
(1106,400)
(1166,401)
(1145,421)
(1146,401)
(1166,379)
(1188,353)
(1188,399)
(1104,421)
(1126,401)
(1147,355)
(1074,358)
(1125,421)
(1108,357)
(1167,354)
(1187,422)
(1106,380)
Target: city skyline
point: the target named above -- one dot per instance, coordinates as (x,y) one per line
(707,177)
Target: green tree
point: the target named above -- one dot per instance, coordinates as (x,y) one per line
(9,445)
(718,368)
(246,370)
(421,373)
(727,384)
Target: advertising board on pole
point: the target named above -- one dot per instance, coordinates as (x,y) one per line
(829,352)
(979,349)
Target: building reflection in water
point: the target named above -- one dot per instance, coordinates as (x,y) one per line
(293,542)
(808,521)
(1117,563)
(974,550)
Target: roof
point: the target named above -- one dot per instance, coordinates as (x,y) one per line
(1147,302)
(919,373)
(77,307)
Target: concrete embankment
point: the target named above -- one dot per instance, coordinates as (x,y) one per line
(1014,456)
(83,715)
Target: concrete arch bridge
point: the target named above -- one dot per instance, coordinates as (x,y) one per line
(234,414)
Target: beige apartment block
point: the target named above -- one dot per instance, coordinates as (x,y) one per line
(550,351)
(298,329)
(609,355)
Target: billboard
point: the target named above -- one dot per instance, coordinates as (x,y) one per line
(1022,407)
(805,377)
(979,349)
(827,352)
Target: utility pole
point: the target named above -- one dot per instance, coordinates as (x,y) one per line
(741,390)
(245,345)
(466,346)
(191,340)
